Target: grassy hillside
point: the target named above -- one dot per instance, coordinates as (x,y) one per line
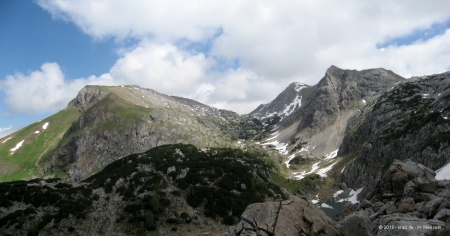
(22,163)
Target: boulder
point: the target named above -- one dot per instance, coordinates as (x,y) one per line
(406,205)
(295,216)
(357,224)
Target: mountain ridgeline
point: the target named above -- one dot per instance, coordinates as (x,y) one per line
(135,160)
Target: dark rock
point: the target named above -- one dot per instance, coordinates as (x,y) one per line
(357,224)
(443,215)
(348,208)
(406,205)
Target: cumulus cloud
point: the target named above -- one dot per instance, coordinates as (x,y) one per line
(275,42)
(45,90)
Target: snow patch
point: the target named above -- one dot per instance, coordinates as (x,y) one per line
(337,193)
(4,141)
(443,173)
(315,201)
(324,205)
(332,154)
(36,132)
(323,172)
(17,146)
(291,107)
(352,197)
(364,101)
(45,125)
(299,86)
(342,170)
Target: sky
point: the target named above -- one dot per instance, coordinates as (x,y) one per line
(230,54)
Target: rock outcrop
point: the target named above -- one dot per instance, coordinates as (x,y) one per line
(407,200)
(410,121)
(295,216)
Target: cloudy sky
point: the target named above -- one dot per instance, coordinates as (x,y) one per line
(230,54)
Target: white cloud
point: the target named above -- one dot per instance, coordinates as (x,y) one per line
(45,90)
(276,42)
(7,130)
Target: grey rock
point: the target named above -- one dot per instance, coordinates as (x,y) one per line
(295,216)
(357,224)
(443,215)
(402,224)
(406,205)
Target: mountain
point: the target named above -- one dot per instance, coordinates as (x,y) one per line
(285,103)
(103,124)
(317,127)
(409,121)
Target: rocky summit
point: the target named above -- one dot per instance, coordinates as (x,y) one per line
(126,160)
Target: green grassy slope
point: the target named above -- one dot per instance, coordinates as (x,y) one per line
(22,164)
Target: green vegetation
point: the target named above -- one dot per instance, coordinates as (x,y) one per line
(310,184)
(22,164)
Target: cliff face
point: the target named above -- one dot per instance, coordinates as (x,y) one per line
(117,121)
(408,121)
(319,124)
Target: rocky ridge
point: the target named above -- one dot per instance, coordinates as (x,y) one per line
(410,121)
(117,121)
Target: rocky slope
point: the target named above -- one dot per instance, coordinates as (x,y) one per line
(111,122)
(285,103)
(407,200)
(310,135)
(410,121)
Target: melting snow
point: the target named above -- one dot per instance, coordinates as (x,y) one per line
(324,205)
(45,125)
(337,193)
(299,86)
(36,132)
(439,94)
(364,101)
(352,197)
(332,154)
(323,172)
(342,169)
(291,107)
(443,173)
(4,141)
(293,156)
(303,174)
(315,201)
(17,146)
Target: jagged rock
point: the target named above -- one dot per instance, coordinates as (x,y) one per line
(295,216)
(349,208)
(443,215)
(407,122)
(434,206)
(357,224)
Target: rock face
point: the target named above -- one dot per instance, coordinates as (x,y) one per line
(118,121)
(295,216)
(320,121)
(285,103)
(407,200)
(410,121)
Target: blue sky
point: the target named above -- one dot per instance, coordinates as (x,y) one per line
(229,54)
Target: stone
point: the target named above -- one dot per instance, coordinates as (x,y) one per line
(443,215)
(295,216)
(357,224)
(406,205)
